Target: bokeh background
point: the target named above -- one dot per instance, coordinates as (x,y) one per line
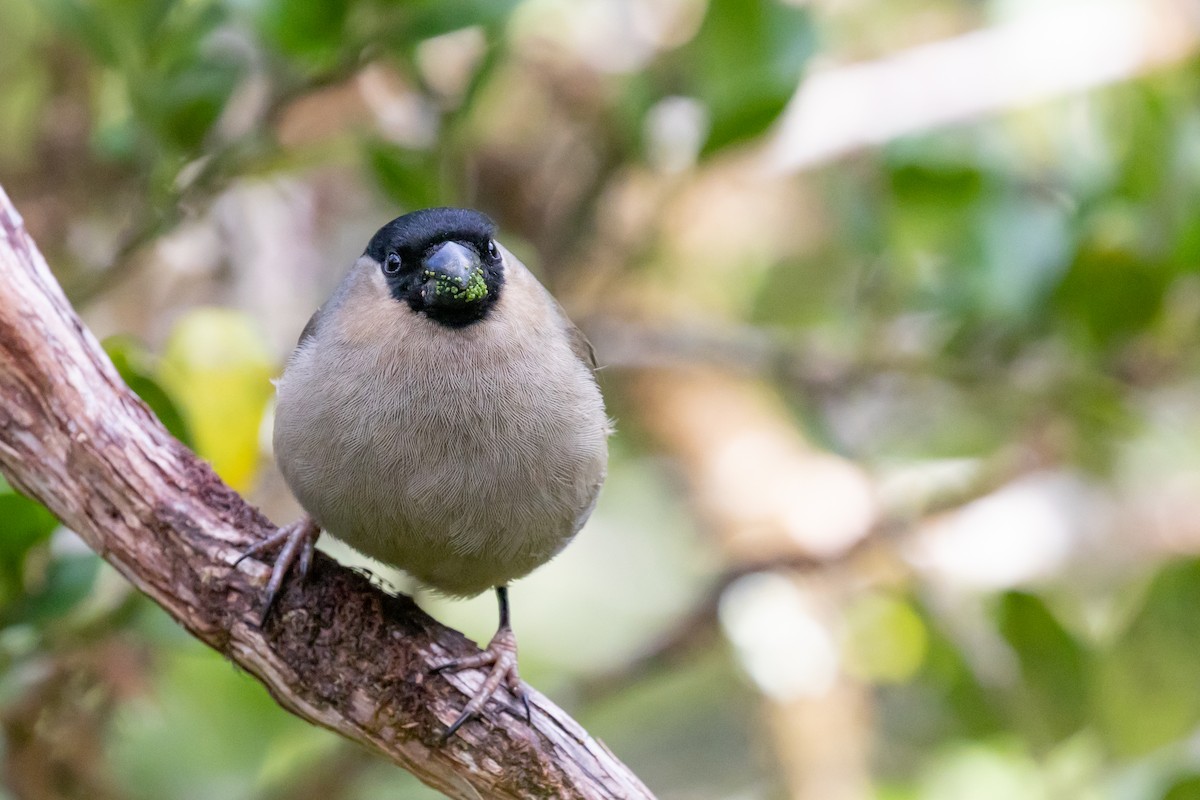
(899,304)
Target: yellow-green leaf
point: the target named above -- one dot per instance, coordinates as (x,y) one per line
(217,368)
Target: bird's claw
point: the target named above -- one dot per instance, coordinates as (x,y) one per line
(297,542)
(501,655)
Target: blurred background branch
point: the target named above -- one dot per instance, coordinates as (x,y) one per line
(1056,50)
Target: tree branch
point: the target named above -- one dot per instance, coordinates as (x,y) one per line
(337,651)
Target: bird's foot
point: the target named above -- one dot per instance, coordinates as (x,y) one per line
(501,654)
(296,542)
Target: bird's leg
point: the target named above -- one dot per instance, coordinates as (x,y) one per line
(501,653)
(298,541)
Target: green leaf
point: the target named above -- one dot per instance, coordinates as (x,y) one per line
(885,640)
(933,182)
(68,580)
(217,368)
(951,701)
(1052,696)
(1187,788)
(134,366)
(1142,137)
(24,524)
(1112,292)
(87,23)
(744,64)
(304,29)
(188,102)
(429,18)
(1147,689)
(407,177)
(162,67)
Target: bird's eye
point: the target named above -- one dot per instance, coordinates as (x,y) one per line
(492,250)
(391,264)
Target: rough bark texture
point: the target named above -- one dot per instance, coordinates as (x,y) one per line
(337,651)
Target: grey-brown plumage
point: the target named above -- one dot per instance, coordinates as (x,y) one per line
(464,456)
(440,415)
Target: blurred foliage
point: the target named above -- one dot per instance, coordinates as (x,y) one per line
(1029,281)
(26,526)
(743,95)
(140,371)
(886,639)
(218,368)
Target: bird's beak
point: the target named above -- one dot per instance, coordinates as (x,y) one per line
(453,276)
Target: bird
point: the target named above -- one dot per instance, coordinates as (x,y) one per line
(440,414)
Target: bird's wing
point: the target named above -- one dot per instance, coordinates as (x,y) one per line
(580,345)
(310,329)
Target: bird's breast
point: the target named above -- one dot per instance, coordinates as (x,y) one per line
(463,458)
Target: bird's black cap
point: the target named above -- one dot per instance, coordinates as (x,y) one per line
(413,234)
